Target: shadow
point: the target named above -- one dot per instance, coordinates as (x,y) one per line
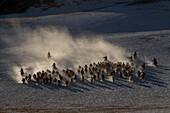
(143,84)
(99,85)
(119,82)
(156,81)
(55,87)
(51,86)
(72,89)
(154,71)
(108,83)
(78,86)
(34,85)
(87,83)
(124,86)
(153,76)
(165,68)
(160,85)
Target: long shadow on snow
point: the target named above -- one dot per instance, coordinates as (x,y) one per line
(116,83)
(86,83)
(71,88)
(35,86)
(51,86)
(121,82)
(100,85)
(77,85)
(40,86)
(165,68)
(153,75)
(92,85)
(108,83)
(123,85)
(54,87)
(140,83)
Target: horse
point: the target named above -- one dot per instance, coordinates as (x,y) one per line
(29,77)
(75,77)
(34,76)
(23,80)
(82,78)
(26,78)
(44,80)
(143,66)
(60,77)
(55,80)
(98,75)
(94,76)
(67,83)
(143,76)
(22,72)
(103,77)
(85,66)
(59,82)
(38,79)
(139,74)
(91,79)
(71,80)
(54,67)
(105,58)
(155,62)
(82,72)
(135,55)
(50,79)
(48,55)
(131,58)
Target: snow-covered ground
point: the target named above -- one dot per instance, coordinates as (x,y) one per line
(76,38)
(66,6)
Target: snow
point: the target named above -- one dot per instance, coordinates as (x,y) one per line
(124,29)
(68,7)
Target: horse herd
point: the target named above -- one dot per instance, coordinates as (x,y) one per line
(99,71)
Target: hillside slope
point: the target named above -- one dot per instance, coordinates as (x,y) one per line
(48,7)
(84,37)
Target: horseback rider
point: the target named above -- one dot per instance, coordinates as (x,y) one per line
(135,55)
(48,55)
(155,62)
(23,80)
(22,72)
(105,58)
(54,67)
